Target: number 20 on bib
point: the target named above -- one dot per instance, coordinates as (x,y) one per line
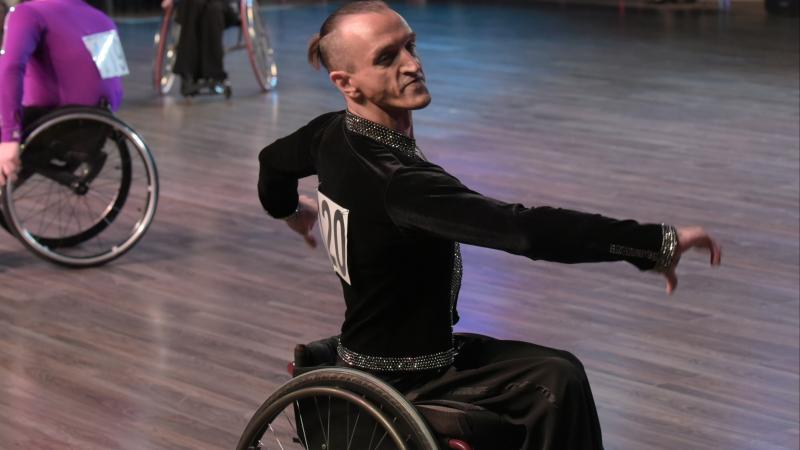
(333,226)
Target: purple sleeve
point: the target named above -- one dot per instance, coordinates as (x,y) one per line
(22,35)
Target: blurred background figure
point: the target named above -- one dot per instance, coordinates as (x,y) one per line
(199,62)
(47,61)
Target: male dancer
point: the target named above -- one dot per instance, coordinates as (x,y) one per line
(391,222)
(45,63)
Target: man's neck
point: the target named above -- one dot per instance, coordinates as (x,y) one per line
(399,121)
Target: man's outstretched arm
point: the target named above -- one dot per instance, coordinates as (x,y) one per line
(428,199)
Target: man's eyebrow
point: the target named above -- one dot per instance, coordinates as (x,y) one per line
(411,37)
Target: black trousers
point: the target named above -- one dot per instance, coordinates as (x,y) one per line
(541,389)
(200,49)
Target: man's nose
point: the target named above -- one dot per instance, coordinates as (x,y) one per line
(410,63)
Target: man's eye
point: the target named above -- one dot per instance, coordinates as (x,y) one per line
(411,47)
(385,59)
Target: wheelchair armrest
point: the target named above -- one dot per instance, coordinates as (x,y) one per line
(317,353)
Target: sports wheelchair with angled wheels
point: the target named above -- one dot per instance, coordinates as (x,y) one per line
(325,407)
(87,188)
(252,36)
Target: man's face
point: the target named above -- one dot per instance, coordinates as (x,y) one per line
(383,63)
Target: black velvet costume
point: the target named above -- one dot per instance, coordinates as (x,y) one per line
(392,222)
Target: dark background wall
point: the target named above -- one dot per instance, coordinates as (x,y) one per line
(126,6)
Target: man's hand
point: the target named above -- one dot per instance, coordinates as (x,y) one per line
(304,219)
(9,161)
(692,237)
(166,4)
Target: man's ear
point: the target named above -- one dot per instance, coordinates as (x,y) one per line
(343,82)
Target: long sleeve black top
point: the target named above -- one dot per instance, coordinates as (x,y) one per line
(391,220)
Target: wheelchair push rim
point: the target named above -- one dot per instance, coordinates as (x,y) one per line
(66,212)
(374,415)
(259,50)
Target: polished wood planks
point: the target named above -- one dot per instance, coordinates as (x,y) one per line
(681,118)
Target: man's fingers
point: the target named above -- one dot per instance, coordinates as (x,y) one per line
(309,226)
(705,241)
(716,253)
(310,240)
(308,204)
(11,172)
(688,238)
(696,237)
(672,281)
(7,173)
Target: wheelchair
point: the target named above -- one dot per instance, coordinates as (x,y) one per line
(252,36)
(325,407)
(86,191)
(3,11)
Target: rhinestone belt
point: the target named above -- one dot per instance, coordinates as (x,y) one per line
(403,363)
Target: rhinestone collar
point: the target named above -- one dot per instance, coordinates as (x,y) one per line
(386,136)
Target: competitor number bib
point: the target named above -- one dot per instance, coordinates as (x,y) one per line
(107,54)
(333,226)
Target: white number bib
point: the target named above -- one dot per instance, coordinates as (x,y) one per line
(107,54)
(333,226)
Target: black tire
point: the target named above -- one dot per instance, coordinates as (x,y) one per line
(79,160)
(259,49)
(333,396)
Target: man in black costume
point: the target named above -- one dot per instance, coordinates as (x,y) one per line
(391,222)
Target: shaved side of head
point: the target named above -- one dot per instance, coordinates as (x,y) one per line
(326,48)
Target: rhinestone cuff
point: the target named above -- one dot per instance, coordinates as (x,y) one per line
(388,363)
(664,259)
(668,257)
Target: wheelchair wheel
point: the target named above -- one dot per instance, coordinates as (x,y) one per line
(166,41)
(3,12)
(336,408)
(87,189)
(259,50)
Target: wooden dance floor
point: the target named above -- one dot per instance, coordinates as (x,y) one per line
(684,118)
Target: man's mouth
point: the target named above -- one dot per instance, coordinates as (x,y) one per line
(416,81)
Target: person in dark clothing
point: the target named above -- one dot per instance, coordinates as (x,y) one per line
(200,52)
(392,223)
